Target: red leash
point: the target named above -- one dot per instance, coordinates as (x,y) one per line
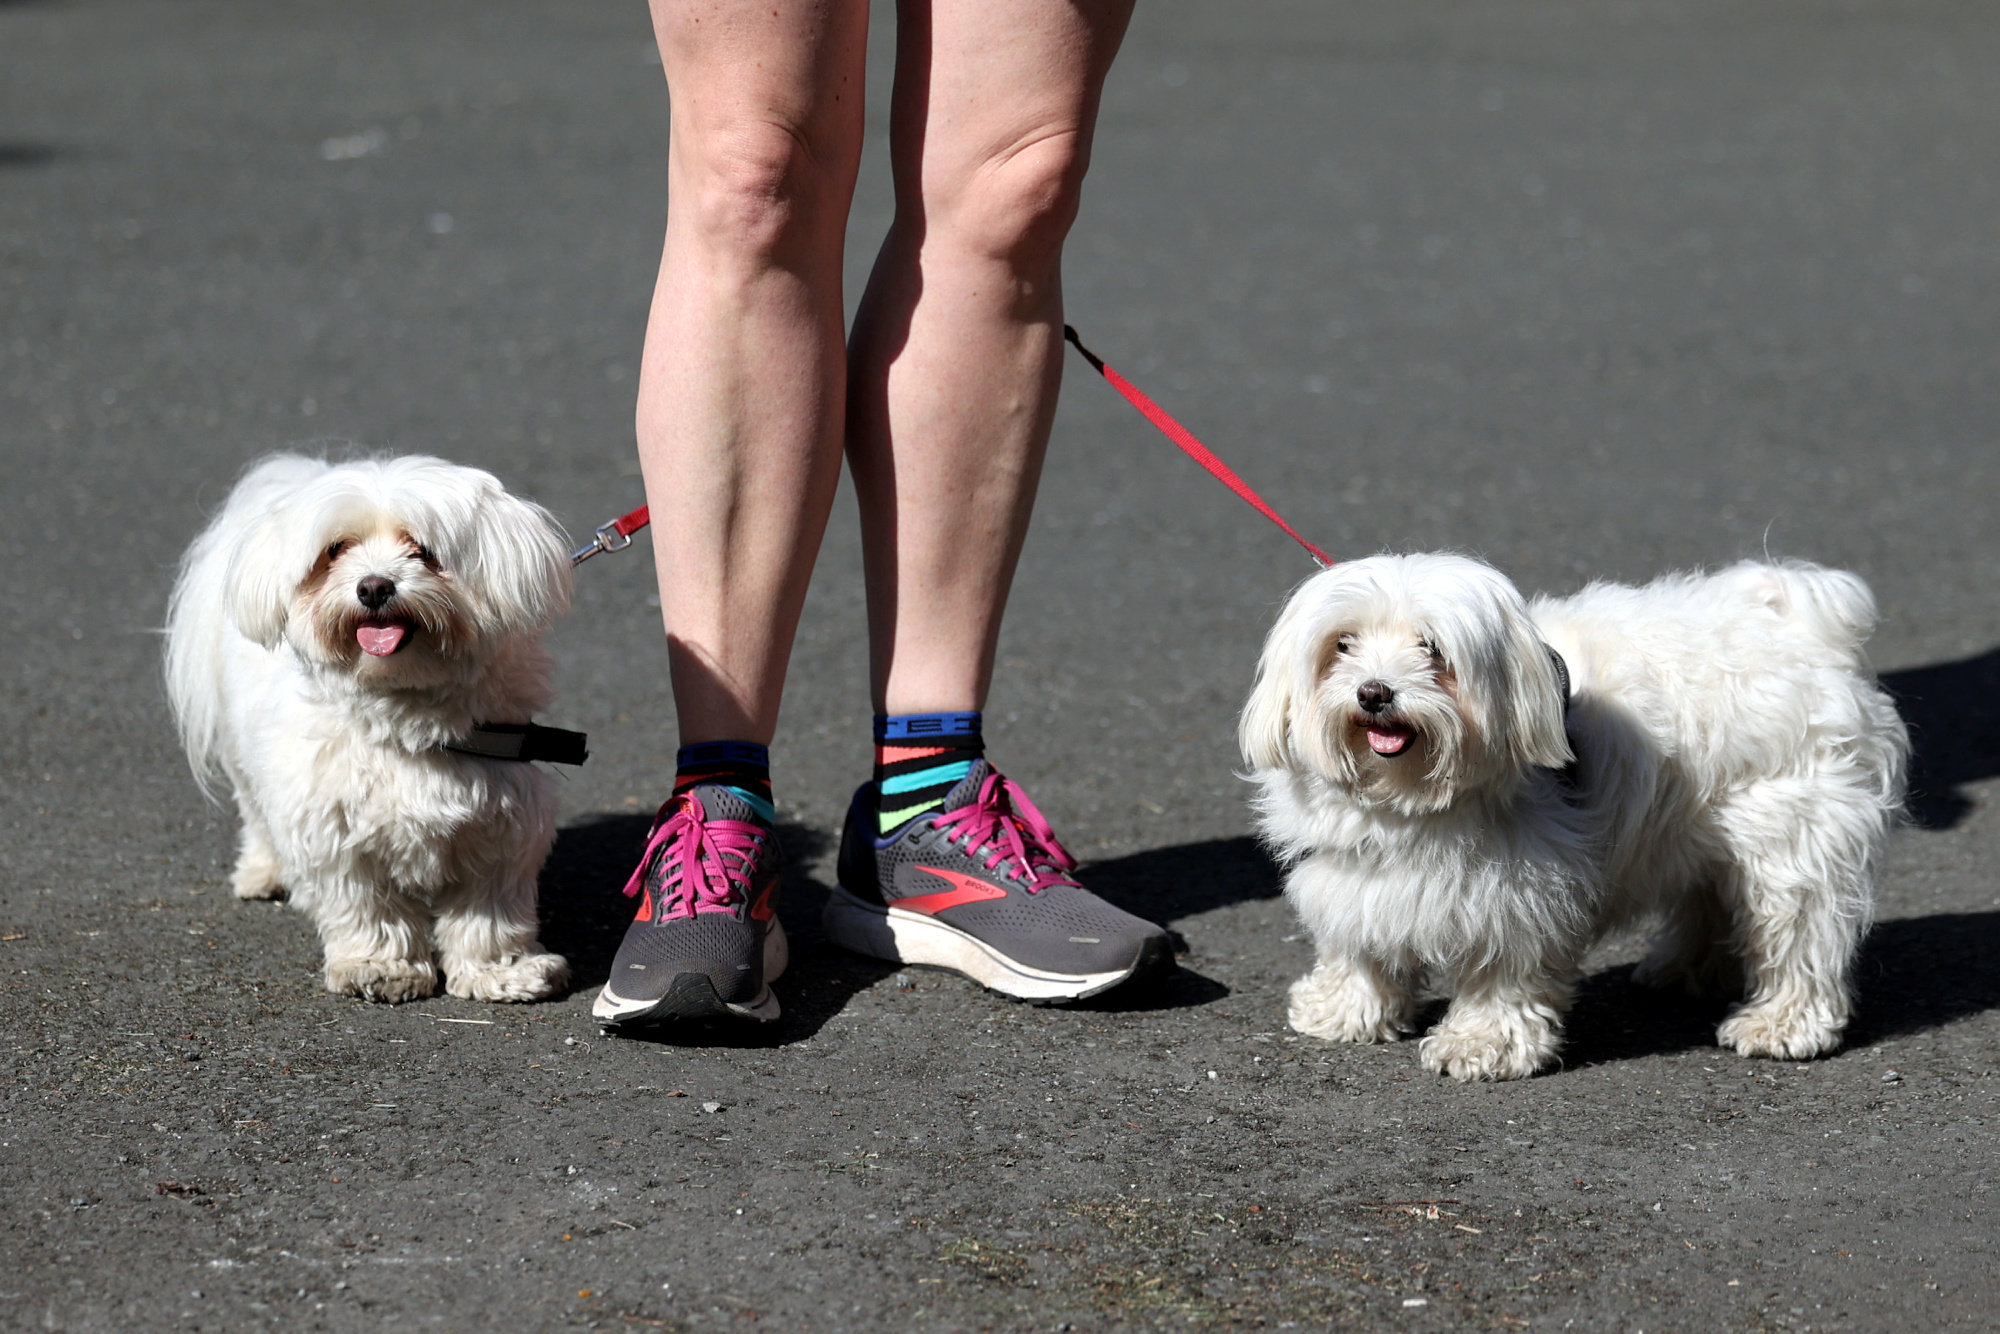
(1190,446)
(617,535)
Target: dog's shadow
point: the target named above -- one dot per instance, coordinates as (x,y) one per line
(1914,974)
(585,913)
(1953,711)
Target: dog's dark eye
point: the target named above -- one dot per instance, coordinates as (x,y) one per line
(423,553)
(1345,643)
(1430,647)
(333,552)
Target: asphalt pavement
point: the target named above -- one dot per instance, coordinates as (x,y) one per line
(1594,289)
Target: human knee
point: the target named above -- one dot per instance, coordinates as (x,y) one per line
(760,187)
(1018,207)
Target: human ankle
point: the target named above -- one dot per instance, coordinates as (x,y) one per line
(744,767)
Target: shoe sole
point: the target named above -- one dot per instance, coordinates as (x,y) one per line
(901,936)
(692,995)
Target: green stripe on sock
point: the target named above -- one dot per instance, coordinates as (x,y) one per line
(895,819)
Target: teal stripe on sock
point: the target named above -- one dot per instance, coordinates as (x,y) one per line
(943,773)
(756,803)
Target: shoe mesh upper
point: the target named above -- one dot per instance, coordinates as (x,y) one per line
(1061,927)
(726,947)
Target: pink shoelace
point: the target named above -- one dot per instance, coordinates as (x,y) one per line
(1003,823)
(713,859)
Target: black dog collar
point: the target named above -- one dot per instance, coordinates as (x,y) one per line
(1562,676)
(523,741)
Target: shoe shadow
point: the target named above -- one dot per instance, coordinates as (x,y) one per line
(1168,885)
(1914,974)
(1953,711)
(585,912)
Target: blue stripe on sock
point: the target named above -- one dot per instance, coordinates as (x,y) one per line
(925,726)
(932,777)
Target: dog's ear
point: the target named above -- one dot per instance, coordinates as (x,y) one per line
(264,572)
(1533,700)
(1284,669)
(516,562)
(1264,731)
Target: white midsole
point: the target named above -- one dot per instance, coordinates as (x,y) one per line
(902,936)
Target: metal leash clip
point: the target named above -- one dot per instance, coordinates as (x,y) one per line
(613,536)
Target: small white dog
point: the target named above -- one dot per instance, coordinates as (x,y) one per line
(1463,808)
(334,630)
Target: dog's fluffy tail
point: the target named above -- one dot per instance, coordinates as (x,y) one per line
(1853,714)
(199,623)
(1834,607)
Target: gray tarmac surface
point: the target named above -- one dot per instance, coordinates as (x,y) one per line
(1594,289)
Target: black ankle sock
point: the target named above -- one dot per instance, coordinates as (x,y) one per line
(744,767)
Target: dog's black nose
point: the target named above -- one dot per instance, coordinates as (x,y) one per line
(1375,696)
(374,591)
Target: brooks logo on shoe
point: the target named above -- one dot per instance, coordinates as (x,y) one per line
(966,889)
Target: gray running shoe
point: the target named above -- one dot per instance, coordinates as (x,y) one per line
(706,942)
(985,889)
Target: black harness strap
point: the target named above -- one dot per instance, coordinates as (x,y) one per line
(1562,676)
(523,742)
(1566,776)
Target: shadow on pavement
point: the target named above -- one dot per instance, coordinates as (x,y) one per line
(1165,885)
(1953,709)
(1918,973)
(1914,974)
(25,155)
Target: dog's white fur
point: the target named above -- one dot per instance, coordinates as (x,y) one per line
(349,805)
(1737,771)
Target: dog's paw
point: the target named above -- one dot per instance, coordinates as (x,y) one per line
(1490,1048)
(530,977)
(256,877)
(389,980)
(1781,1030)
(1339,1003)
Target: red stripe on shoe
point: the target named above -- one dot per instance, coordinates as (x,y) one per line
(968,889)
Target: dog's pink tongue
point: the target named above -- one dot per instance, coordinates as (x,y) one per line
(1386,742)
(380,640)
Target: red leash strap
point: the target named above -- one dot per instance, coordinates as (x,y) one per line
(617,535)
(1190,446)
(613,536)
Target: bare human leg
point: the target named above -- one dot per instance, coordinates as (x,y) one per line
(742,383)
(957,348)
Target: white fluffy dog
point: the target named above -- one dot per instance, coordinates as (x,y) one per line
(333,630)
(1726,763)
